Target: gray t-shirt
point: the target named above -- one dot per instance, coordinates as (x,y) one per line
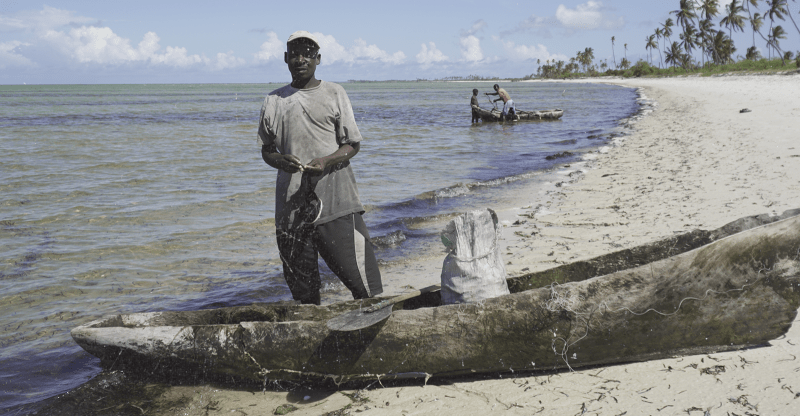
(311,123)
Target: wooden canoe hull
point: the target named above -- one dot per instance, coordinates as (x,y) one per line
(544,115)
(741,290)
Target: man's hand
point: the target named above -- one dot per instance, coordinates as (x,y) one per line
(344,153)
(286,163)
(289,163)
(316,166)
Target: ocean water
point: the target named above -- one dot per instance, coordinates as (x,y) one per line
(132,198)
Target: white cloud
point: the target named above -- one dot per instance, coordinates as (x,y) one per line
(272,48)
(94,44)
(471,48)
(177,57)
(227,60)
(333,52)
(42,20)
(9,58)
(100,45)
(525,52)
(428,56)
(591,15)
(362,51)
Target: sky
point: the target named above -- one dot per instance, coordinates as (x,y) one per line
(146,41)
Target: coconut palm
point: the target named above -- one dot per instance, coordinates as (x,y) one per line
(706,38)
(688,41)
(755,23)
(587,58)
(666,28)
(789,13)
(658,43)
(651,43)
(773,40)
(753,54)
(666,31)
(686,14)
(674,55)
(709,9)
(626,51)
(733,20)
(612,51)
(777,8)
(724,47)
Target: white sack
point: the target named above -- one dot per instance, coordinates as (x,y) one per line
(474,270)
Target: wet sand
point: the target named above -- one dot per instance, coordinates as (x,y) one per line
(695,162)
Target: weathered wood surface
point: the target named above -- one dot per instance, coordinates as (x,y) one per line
(741,290)
(494,114)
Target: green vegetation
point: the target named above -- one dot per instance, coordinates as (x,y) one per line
(701,49)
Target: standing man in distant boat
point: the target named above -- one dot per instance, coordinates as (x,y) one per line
(473,103)
(308,132)
(509,111)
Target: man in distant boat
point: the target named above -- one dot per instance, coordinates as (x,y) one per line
(308,132)
(473,103)
(509,111)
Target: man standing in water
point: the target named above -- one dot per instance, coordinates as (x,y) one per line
(473,102)
(317,207)
(509,111)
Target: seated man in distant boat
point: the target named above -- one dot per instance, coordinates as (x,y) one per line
(509,111)
(473,102)
(308,132)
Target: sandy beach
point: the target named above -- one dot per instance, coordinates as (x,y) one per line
(694,162)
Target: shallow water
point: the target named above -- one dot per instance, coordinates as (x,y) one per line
(130,198)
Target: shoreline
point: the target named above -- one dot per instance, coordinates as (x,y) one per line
(694,162)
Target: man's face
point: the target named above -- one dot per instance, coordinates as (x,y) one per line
(302,57)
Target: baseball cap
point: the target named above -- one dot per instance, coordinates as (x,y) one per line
(303,34)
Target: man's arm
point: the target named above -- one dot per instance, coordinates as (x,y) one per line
(343,154)
(286,163)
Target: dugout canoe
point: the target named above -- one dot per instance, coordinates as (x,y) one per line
(730,288)
(544,115)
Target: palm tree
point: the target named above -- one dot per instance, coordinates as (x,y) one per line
(666,31)
(756,22)
(753,54)
(777,8)
(651,43)
(789,12)
(733,20)
(658,42)
(686,14)
(612,51)
(706,38)
(626,51)
(587,58)
(724,46)
(667,28)
(688,41)
(775,35)
(674,55)
(708,10)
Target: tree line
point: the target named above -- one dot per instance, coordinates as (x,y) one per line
(696,37)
